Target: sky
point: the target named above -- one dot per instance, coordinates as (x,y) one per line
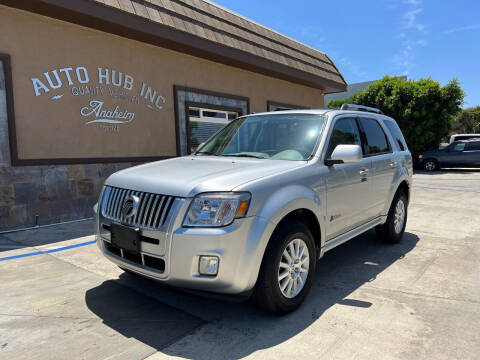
(368,39)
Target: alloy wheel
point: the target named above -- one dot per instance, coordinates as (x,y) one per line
(430,166)
(293,268)
(399,216)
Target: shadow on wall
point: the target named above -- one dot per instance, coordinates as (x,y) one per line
(339,273)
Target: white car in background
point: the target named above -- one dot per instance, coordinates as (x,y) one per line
(458,137)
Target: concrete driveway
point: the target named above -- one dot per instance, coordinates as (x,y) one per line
(418,299)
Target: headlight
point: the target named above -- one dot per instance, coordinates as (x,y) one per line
(216,209)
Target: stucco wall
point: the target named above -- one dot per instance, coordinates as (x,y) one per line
(45,121)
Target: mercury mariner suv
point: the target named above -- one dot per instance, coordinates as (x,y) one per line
(254,208)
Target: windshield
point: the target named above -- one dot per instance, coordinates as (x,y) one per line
(276,136)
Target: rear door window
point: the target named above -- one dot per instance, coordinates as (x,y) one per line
(396,134)
(377,142)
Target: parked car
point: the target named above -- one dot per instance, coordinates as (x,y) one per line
(464,153)
(458,137)
(255,207)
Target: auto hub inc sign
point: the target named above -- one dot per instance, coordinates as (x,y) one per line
(108,98)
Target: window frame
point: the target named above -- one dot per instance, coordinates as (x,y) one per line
(365,141)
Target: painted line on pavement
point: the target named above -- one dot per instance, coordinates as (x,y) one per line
(48,251)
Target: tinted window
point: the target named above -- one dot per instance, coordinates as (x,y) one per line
(345,132)
(376,139)
(473,145)
(396,134)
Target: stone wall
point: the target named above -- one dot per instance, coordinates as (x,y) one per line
(54,193)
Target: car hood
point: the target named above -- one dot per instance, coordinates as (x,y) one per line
(190,175)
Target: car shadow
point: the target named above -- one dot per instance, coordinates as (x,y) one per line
(339,273)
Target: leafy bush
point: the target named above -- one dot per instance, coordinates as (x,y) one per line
(423,109)
(469,119)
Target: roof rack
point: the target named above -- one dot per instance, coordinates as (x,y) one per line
(360,108)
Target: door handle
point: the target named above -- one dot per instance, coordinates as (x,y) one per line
(364,172)
(393,164)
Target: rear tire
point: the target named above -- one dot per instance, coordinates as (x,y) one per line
(393,229)
(295,241)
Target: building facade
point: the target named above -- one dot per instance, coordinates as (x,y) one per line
(88,87)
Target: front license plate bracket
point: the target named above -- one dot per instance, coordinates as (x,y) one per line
(125,238)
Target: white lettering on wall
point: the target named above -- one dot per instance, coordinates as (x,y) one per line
(115,116)
(117,86)
(82,79)
(66,71)
(38,85)
(151,95)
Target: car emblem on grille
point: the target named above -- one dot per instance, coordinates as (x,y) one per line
(130,206)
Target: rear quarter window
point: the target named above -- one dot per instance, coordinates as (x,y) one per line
(396,134)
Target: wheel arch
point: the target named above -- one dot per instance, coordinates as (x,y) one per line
(405,187)
(293,202)
(307,217)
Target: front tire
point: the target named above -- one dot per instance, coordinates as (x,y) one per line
(430,165)
(393,229)
(287,269)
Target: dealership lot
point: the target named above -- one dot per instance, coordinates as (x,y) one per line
(419,299)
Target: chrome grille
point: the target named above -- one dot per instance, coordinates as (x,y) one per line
(152,212)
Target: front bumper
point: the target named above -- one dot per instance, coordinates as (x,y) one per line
(239,247)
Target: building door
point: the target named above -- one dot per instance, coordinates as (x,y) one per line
(204,122)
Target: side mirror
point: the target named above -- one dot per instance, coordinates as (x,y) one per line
(345,154)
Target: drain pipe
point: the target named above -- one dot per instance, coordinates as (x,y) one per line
(43,226)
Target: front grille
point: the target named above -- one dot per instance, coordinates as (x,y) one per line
(152,211)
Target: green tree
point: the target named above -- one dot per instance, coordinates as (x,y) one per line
(334,104)
(469,119)
(423,109)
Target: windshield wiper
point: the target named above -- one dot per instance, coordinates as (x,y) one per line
(246,155)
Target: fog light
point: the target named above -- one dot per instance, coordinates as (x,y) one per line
(208,265)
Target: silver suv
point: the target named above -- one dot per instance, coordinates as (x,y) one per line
(254,208)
